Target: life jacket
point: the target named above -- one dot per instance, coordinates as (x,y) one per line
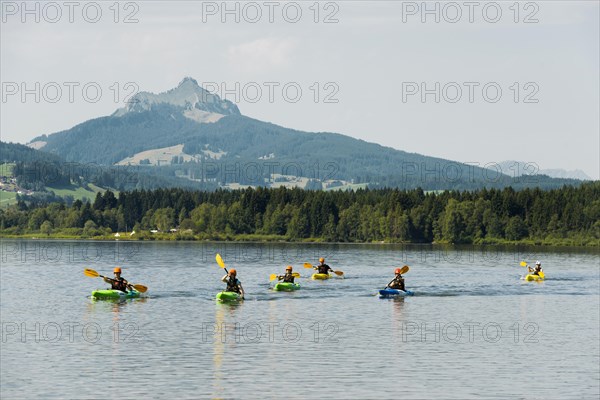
(120,284)
(398,283)
(323,269)
(232,285)
(288,277)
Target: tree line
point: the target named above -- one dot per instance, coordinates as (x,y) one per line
(393,215)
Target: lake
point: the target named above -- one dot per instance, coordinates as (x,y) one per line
(472,329)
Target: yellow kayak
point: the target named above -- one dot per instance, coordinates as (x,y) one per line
(319,276)
(531,277)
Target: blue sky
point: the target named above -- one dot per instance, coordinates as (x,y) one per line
(361,69)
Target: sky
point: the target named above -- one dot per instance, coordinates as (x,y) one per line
(480,82)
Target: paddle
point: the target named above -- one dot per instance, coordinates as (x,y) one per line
(93,274)
(220,262)
(524,264)
(309,265)
(272,277)
(403,270)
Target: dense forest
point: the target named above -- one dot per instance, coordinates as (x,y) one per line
(570,215)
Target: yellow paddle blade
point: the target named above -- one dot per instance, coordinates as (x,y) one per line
(220,260)
(404,269)
(338,273)
(523,264)
(272,277)
(140,288)
(541,274)
(308,265)
(91,273)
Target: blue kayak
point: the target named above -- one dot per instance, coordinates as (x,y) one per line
(387,292)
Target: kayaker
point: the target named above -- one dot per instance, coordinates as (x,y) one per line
(288,277)
(322,267)
(118,282)
(397,282)
(537,270)
(233,283)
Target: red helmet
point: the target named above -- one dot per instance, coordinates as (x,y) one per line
(117,270)
(397,271)
(288,268)
(232,272)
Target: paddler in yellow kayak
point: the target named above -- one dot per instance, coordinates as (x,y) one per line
(537,270)
(233,283)
(398,281)
(322,267)
(288,277)
(118,282)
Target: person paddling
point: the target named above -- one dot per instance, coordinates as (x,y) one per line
(233,284)
(118,282)
(538,268)
(288,277)
(322,267)
(397,282)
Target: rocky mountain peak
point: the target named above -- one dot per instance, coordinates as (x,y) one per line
(188,95)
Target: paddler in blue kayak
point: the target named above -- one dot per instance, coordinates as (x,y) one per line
(537,270)
(118,282)
(397,282)
(322,267)
(233,283)
(288,277)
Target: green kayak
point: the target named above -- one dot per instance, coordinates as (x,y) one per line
(286,286)
(228,296)
(109,294)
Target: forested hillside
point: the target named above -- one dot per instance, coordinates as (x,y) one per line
(42,172)
(244,141)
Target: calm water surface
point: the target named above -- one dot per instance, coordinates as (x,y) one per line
(473,328)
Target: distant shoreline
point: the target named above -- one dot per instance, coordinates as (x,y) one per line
(256,238)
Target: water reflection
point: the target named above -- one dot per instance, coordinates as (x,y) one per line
(218,350)
(222,332)
(398,306)
(120,328)
(398,316)
(117,304)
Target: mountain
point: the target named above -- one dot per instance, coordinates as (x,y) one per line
(190,134)
(198,104)
(520,168)
(566,174)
